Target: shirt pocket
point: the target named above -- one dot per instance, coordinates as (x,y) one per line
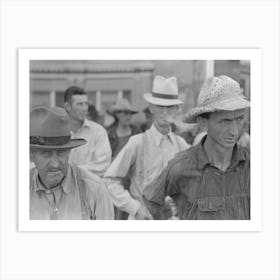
(211,208)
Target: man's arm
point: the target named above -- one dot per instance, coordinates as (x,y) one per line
(101,156)
(97,197)
(104,209)
(154,194)
(123,164)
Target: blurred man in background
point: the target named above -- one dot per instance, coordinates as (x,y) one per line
(95,156)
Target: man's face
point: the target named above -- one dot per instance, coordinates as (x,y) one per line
(51,164)
(78,109)
(163,114)
(124,117)
(224,127)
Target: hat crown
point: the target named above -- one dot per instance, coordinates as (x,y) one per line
(165,85)
(123,105)
(218,88)
(49,122)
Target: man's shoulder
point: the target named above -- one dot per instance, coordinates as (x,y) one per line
(95,125)
(243,152)
(187,159)
(136,140)
(182,141)
(90,179)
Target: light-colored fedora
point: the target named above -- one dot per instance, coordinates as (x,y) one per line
(50,129)
(218,94)
(164,92)
(122,105)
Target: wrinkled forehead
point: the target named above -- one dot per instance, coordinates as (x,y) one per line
(228,114)
(79,98)
(50,151)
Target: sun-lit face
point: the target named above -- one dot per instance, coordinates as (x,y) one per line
(124,117)
(163,114)
(78,109)
(51,165)
(224,127)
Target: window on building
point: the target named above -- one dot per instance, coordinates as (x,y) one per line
(40,98)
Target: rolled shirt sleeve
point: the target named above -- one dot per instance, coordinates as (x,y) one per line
(98,197)
(120,167)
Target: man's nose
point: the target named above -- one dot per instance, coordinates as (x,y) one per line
(234,128)
(85,107)
(165,110)
(54,162)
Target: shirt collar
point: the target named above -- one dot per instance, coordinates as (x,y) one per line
(237,156)
(66,184)
(158,136)
(86,123)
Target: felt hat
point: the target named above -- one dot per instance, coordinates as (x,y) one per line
(50,129)
(122,105)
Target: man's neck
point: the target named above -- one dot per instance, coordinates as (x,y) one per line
(162,129)
(219,156)
(76,124)
(123,130)
(48,187)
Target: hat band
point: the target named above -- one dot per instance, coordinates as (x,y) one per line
(164,96)
(52,141)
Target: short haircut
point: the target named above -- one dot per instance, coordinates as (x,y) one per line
(73,90)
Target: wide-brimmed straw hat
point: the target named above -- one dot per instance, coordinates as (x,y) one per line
(164,92)
(50,129)
(218,94)
(122,105)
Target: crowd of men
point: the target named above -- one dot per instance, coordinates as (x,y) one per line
(83,171)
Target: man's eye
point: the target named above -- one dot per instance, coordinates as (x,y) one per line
(226,121)
(46,153)
(62,153)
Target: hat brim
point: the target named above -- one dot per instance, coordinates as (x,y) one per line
(161,101)
(113,111)
(74,143)
(225,105)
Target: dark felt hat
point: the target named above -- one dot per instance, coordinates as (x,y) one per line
(50,129)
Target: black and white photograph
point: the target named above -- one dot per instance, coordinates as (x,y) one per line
(140,140)
(146,140)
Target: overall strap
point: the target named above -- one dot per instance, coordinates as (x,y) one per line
(82,194)
(31,175)
(143,155)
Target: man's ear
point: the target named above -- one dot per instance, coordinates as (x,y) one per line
(202,121)
(67,106)
(151,108)
(31,156)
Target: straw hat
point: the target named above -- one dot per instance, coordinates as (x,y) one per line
(218,94)
(122,105)
(164,92)
(50,129)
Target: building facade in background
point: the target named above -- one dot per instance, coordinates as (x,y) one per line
(107,81)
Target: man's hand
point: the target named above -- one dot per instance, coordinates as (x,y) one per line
(143,214)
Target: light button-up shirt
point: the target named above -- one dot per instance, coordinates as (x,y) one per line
(95,155)
(143,158)
(64,201)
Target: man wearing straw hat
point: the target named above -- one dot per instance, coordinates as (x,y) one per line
(146,154)
(210,181)
(59,190)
